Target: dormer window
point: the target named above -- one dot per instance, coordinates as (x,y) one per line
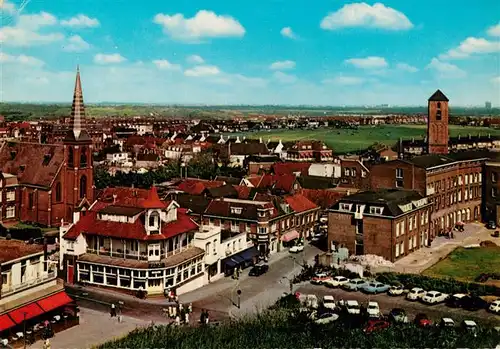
(236,210)
(376,210)
(345,207)
(262,213)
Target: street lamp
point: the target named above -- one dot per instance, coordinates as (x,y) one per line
(239,297)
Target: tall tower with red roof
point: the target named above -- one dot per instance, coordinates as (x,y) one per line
(78,177)
(437,123)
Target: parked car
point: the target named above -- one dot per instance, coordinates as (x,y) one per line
(319,278)
(434,297)
(398,315)
(336,281)
(415,294)
(329,302)
(455,301)
(376,325)
(375,287)
(492,225)
(355,284)
(259,269)
(373,310)
(473,303)
(296,248)
(353,307)
(422,320)
(495,307)
(396,290)
(470,326)
(326,318)
(446,322)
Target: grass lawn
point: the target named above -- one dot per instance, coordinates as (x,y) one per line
(22,225)
(466,264)
(344,140)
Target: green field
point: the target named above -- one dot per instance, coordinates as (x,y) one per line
(466,264)
(345,140)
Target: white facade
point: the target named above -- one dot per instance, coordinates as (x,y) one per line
(118,157)
(332,170)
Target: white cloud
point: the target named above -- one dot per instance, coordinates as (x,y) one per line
(494,30)
(202,70)
(344,80)
(7,7)
(370,62)
(446,70)
(81,21)
(164,64)
(205,24)
(496,80)
(76,44)
(102,58)
(282,65)
(195,59)
(407,67)
(287,32)
(284,77)
(21,59)
(364,15)
(472,46)
(26,31)
(251,81)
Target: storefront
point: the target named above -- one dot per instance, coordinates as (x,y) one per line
(289,239)
(241,260)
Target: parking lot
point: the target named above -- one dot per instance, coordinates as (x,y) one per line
(386,303)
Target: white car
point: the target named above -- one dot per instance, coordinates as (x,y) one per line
(353,307)
(396,291)
(337,281)
(434,297)
(415,293)
(296,249)
(373,310)
(326,318)
(495,307)
(329,302)
(355,284)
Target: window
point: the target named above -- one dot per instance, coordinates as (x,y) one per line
(459,196)
(236,210)
(353,172)
(470,178)
(399,173)
(207,249)
(403,228)
(493,192)
(399,183)
(422,217)
(397,250)
(83,186)
(466,194)
(215,247)
(347,172)
(376,210)
(58,191)
(31,200)
(397,229)
(410,224)
(10,212)
(263,230)
(83,157)
(70,157)
(345,207)
(235,226)
(401,248)
(466,179)
(410,240)
(11,195)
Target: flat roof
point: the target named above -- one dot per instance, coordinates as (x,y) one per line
(14,249)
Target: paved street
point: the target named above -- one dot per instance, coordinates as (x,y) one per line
(386,303)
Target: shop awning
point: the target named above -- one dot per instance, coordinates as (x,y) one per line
(6,322)
(55,301)
(248,254)
(31,310)
(229,263)
(237,259)
(291,235)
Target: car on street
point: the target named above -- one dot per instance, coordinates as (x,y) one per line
(455,300)
(336,281)
(355,284)
(259,269)
(434,297)
(296,248)
(398,315)
(375,287)
(319,278)
(373,310)
(396,290)
(491,225)
(352,307)
(495,307)
(326,318)
(329,302)
(446,322)
(376,325)
(422,320)
(473,303)
(415,293)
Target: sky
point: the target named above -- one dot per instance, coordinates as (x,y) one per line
(288,52)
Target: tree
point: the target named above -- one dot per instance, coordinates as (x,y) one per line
(203,166)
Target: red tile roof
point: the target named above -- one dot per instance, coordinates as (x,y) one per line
(130,197)
(197,186)
(323,198)
(153,200)
(299,203)
(243,191)
(291,168)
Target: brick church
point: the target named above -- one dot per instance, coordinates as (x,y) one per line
(46,183)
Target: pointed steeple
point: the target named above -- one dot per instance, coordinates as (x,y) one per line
(77,131)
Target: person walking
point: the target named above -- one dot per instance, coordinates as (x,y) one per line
(186,318)
(190,308)
(113,310)
(46,344)
(207,317)
(177,320)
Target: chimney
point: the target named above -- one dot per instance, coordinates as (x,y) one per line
(114,198)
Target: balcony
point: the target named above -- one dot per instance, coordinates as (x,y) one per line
(6,290)
(119,254)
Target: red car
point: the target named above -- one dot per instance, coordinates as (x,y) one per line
(376,325)
(318,279)
(421,320)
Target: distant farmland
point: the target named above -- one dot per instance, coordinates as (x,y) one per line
(345,140)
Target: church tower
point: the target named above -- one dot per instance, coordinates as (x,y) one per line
(79,175)
(437,123)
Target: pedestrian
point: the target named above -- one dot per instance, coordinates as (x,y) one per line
(186,318)
(178,320)
(452,236)
(234,273)
(202,316)
(46,344)
(113,310)
(190,308)
(207,317)
(174,312)
(181,307)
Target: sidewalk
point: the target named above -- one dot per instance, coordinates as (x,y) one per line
(425,257)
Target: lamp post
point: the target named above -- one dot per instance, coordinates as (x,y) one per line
(24,328)
(239,298)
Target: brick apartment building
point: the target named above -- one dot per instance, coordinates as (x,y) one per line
(390,223)
(52,179)
(491,190)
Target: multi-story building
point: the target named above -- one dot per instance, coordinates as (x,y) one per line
(390,223)
(310,151)
(9,204)
(491,190)
(131,240)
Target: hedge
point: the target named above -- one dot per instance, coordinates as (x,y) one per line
(21,233)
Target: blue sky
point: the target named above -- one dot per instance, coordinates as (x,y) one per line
(251,52)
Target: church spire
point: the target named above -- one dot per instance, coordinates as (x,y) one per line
(77,131)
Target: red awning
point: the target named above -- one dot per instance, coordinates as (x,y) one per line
(31,310)
(55,301)
(6,322)
(291,235)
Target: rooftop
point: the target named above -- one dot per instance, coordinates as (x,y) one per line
(14,249)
